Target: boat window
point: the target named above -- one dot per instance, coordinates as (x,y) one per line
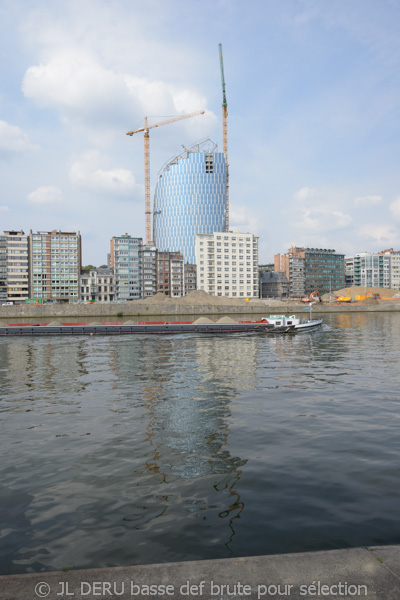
(289,323)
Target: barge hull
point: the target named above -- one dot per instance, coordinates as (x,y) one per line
(167,328)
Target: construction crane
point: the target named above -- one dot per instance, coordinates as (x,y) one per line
(225,135)
(146,128)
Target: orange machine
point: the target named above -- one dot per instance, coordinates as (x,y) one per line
(312,297)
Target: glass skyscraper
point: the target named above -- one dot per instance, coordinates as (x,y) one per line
(190,198)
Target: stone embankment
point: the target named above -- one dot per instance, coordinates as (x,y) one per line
(372,573)
(195,303)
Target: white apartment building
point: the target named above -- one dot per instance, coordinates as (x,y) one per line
(227,264)
(14,267)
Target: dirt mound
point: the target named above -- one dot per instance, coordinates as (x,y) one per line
(226,320)
(158,298)
(202,321)
(371,301)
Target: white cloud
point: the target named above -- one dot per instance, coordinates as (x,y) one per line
(4,208)
(395,208)
(243,220)
(315,214)
(380,235)
(304,194)
(84,91)
(88,173)
(13,140)
(45,196)
(76,85)
(367,200)
(315,220)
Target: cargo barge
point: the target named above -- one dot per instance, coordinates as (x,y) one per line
(199,326)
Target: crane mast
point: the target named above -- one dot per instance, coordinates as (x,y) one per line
(145,129)
(225,135)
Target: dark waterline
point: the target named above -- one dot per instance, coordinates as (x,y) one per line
(133,449)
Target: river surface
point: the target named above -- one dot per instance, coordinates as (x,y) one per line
(131,449)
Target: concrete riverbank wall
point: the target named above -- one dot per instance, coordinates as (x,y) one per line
(144,310)
(372,573)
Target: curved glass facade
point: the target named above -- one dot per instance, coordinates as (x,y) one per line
(190,198)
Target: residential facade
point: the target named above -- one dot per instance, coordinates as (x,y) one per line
(273,284)
(190,277)
(395,271)
(309,269)
(14,267)
(227,264)
(97,285)
(170,269)
(148,259)
(55,265)
(126,260)
(190,198)
(368,269)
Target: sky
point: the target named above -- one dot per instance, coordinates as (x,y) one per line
(313,91)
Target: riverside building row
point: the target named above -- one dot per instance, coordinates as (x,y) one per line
(47,267)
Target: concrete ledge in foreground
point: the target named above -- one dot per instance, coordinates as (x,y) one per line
(372,573)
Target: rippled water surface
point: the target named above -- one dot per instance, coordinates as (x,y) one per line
(121,450)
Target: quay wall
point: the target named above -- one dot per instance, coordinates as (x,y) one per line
(372,573)
(143,309)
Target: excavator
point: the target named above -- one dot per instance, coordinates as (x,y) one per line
(312,297)
(346,298)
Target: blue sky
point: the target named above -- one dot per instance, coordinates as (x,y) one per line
(313,90)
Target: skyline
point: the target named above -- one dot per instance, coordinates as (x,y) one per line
(313,116)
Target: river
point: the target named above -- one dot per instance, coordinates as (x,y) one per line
(123,450)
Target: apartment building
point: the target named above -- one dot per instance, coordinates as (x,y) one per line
(395,271)
(126,260)
(14,267)
(55,265)
(227,264)
(177,277)
(368,269)
(97,285)
(190,277)
(148,258)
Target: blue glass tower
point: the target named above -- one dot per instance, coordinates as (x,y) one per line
(190,198)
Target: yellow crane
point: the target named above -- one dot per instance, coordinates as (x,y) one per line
(225,135)
(146,128)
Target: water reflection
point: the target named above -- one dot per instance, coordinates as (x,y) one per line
(141,449)
(187,407)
